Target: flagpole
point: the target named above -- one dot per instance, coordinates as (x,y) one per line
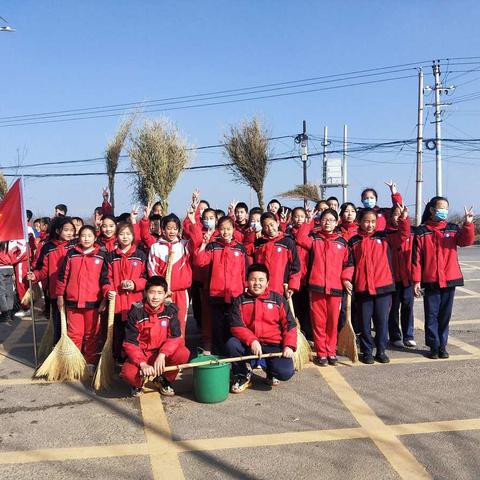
(32,308)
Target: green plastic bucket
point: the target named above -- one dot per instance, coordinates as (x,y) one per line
(211,383)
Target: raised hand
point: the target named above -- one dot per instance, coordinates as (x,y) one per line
(195,198)
(403,210)
(147,209)
(134,215)
(392,186)
(208,235)
(231,207)
(191,215)
(468,215)
(105,194)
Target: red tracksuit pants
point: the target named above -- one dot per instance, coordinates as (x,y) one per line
(131,372)
(181,300)
(83,327)
(324,316)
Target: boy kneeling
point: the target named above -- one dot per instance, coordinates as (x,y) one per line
(261,322)
(153,340)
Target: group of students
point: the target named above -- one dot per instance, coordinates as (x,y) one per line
(242,270)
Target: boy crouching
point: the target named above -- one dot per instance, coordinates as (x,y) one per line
(153,340)
(261,322)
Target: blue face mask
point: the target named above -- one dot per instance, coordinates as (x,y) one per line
(369,202)
(209,223)
(441,213)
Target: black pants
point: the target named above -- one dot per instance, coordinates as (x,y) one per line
(438,306)
(402,310)
(278,367)
(301,304)
(55,314)
(118,336)
(220,327)
(196,296)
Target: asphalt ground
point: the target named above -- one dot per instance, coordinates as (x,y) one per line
(413,418)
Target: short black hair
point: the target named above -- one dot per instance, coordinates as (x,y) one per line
(29,215)
(155,217)
(205,202)
(332,198)
(156,281)
(219,213)
(86,227)
(240,205)
(224,219)
(207,210)
(170,218)
(274,200)
(124,217)
(267,215)
(258,267)
(369,189)
(331,211)
(296,209)
(61,207)
(78,219)
(365,211)
(317,205)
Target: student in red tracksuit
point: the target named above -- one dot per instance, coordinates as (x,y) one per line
(108,233)
(228,261)
(261,322)
(171,256)
(436,269)
(279,253)
(127,273)
(82,283)
(331,271)
(370,198)
(153,340)
(402,299)
(373,283)
(241,218)
(49,263)
(301,299)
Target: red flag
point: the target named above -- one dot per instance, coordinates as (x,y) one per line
(12,215)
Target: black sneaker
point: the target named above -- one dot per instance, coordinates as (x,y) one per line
(433,354)
(163,386)
(382,358)
(241,383)
(442,353)
(332,360)
(367,358)
(321,361)
(136,392)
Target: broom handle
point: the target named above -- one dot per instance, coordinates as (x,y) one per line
(111,318)
(348,312)
(63,321)
(223,360)
(290,303)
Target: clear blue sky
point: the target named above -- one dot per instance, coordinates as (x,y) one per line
(71,54)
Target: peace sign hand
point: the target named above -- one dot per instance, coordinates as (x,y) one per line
(403,210)
(195,198)
(392,186)
(468,215)
(105,194)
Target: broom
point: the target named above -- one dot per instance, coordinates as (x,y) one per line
(32,294)
(65,363)
(103,377)
(303,352)
(46,344)
(347,340)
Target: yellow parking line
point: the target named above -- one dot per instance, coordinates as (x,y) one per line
(399,457)
(435,427)
(464,322)
(163,457)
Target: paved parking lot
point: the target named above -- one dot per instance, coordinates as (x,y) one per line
(413,418)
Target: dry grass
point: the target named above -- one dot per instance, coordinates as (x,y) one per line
(308,192)
(248,149)
(159,154)
(112,154)
(3,186)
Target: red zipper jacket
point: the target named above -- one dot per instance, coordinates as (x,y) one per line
(83,278)
(372,260)
(383,214)
(348,230)
(280,256)
(266,318)
(434,255)
(302,252)
(49,263)
(401,246)
(107,244)
(148,329)
(330,260)
(228,263)
(127,266)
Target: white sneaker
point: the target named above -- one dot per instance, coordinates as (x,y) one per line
(410,343)
(21,313)
(398,344)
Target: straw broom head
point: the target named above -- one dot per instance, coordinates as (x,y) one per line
(3,186)
(112,153)
(248,150)
(159,154)
(347,340)
(65,363)
(103,378)
(32,293)
(303,352)
(303,192)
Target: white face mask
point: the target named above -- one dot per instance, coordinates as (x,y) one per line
(257,226)
(209,223)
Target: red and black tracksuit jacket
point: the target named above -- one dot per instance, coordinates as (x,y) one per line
(228,266)
(401,243)
(383,214)
(330,260)
(149,330)
(372,259)
(348,230)
(434,254)
(302,252)
(107,244)
(127,266)
(50,262)
(280,256)
(83,278)
(266,318)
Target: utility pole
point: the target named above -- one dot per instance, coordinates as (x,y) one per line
(419,193)
(344,165)
(302,140)
(324,176)
(438,130)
